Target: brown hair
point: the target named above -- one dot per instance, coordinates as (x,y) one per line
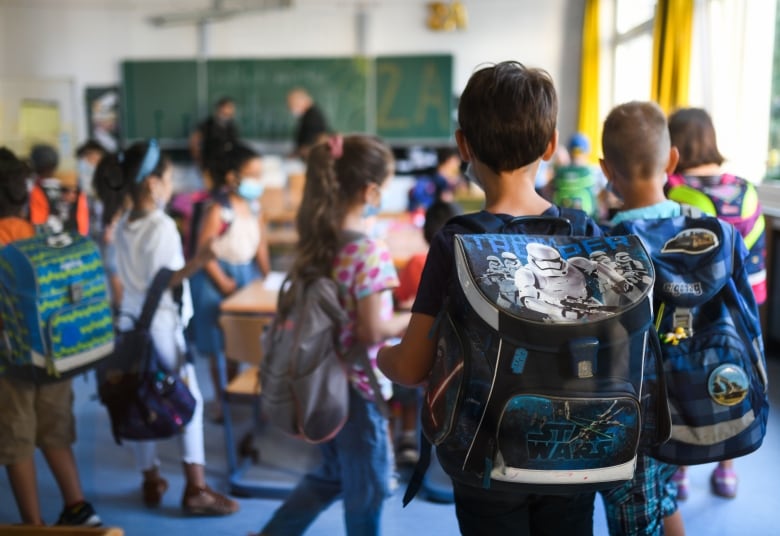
(336,175)
(635,140)
(693,134)
(508,113)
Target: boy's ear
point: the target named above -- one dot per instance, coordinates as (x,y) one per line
(605,169)
(463,146)
(551,146)
(674,157)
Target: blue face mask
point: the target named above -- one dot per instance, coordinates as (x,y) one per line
(250,189)
(369,210)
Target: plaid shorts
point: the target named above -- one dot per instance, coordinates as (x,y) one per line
(639,506)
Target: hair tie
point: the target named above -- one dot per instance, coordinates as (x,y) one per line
(336,144)
(150,161)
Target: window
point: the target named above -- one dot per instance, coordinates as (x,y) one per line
(632,59)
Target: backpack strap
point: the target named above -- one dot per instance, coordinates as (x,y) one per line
(153,296)
(568,222)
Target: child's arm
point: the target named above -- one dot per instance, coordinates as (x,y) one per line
(212,226)
(410,361)
(370,327)
(203,255)
(263,256)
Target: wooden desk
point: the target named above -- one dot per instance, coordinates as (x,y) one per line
(254,298)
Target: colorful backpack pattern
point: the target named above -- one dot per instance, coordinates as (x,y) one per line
(538,381)
(712,347)
(735,201)
(55,307)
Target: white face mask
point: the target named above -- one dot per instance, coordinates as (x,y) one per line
(471,176)
(86,171)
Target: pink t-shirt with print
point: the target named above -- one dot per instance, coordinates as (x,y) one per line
(364,267)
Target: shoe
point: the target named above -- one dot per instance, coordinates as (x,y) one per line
(724,482)
(207,502)
(153,489)
(680,478)
(81,514)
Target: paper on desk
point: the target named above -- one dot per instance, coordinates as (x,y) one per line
(274,280)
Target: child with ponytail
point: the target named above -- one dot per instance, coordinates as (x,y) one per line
(234,223)
(344,181)
(139,181)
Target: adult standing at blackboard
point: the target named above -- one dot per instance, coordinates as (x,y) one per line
(216,135)
(312,125)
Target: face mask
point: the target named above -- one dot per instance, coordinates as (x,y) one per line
(250,189)
(369,210)
(471,176)
(85,171)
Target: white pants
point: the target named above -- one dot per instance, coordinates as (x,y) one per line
(170,345)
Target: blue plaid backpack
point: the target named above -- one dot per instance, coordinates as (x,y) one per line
(54,306)
(707,321)
(537,386)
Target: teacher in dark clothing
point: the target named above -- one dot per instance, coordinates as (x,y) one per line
(216,135)
(312,125)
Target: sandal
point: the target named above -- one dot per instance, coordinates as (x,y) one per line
(724,482)
(680,478)
(206,502)
(153,489)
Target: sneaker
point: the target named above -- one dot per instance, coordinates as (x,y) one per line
(724,482)
(153,489)
(207,502)
(81,514)
(680,478)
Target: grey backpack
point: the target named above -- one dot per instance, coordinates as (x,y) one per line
(304,373)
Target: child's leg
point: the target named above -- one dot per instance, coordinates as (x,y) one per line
(673,525)
(62,463)
(22,477)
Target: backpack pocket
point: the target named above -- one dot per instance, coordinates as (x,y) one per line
(321,399)
(715,396)
(80,334)
(446,384)
(550,439)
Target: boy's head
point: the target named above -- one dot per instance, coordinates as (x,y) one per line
(13,184)
(44,160)
(507,115)
(90,151)
(636,143)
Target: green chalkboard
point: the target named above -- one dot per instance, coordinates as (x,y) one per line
(414,97)
(260,88)
(159,99)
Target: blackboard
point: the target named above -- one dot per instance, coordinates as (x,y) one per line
(414,97)
(159,99)
(260,88)
(411,96)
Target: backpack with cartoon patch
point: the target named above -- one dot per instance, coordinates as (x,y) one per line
(713,354)
(537,385)
(574,187)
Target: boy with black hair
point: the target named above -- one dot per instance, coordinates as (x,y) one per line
(637,157)
(35,415)
(507,116)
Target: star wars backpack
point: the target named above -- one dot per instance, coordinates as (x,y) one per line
(56,316)
(538,385)
(713,354)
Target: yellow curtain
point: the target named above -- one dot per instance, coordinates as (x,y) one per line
(589,121)
(672,36)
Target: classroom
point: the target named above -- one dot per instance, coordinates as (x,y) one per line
(150,80)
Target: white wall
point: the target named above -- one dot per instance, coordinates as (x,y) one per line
(82,40)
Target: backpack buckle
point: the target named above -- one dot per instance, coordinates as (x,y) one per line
(584,356)
(76,292)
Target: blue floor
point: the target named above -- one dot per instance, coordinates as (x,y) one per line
(112,484)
